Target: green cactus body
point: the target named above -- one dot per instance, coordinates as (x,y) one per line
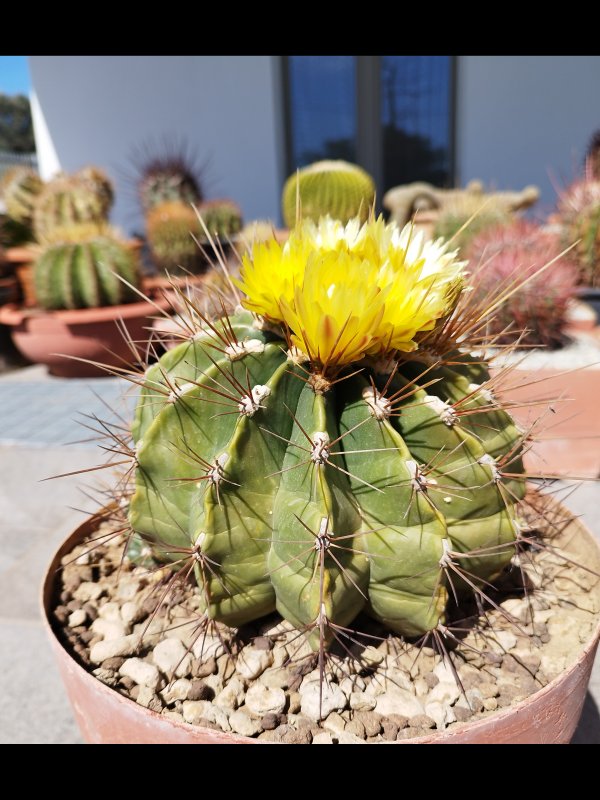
(20,188)
(223,218)
(168,181)
(171,228)
(317,500)
(69,200)
(337,188)
(85,274)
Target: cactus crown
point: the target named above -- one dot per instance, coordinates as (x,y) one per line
(334,188)
(330,447)
(169,178)
(86,196)
(81,269)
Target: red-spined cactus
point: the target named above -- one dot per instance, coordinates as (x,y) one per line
(534,311)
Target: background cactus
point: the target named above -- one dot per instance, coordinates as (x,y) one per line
(506,256)
(459,210)
(166,179)
(579,209)
(20,188)
(294,479)
(170,227)
(86,196)
(337,188)
(223,218)
(82,271)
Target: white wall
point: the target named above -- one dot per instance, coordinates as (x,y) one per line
(521,117)
(95,109)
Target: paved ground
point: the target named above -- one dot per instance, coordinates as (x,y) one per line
(37,416)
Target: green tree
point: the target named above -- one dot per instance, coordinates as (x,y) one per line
(16,130)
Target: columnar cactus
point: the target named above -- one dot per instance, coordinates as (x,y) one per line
(20,188)
(337,188)
(170,228)
(86,196)
(512,258)
(223,218)
(329,448)
(83,272)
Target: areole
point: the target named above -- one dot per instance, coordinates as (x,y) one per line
(549,716)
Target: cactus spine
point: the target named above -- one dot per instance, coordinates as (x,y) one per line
(337,188)
(319,491)
(84,273)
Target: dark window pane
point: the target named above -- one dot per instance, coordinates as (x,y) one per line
(322,108)
(415,111)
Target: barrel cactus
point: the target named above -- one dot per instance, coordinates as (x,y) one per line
(166,179)
(223,218)
(20,187)
(337,188)
(330,448)
(86,196)
(83,269)
(170,228)
(468,215)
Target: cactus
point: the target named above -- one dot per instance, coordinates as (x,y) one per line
(170,228)
(167,179)
(20,187)
(534,314)
(223,218)
(86,196)
(330,449)
(337,188)
(476,212)
(82,271)
(579,209)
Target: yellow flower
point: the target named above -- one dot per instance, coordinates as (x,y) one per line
(336,309)
(347,290)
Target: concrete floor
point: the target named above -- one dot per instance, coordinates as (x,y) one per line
(36,420)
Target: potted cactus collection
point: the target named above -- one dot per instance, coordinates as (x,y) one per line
(79,278)
(322,530)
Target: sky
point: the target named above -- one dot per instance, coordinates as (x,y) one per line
(14,75)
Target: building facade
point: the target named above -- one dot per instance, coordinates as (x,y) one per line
(508,120)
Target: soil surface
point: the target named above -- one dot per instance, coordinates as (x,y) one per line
(143,634)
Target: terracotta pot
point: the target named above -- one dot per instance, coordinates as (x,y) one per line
(88,333)
(21,259)
(549,716)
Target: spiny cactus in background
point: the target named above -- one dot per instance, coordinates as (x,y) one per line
(457,213)
(170,228)
(223,218)
(82,270)
(331,449)
(579,209)
(259,230)
(168,178)
(337,188)
(86,196)
(19,190)
(592,157)
(502,259)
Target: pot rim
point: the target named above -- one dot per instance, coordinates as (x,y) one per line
(89,525)
(14,315)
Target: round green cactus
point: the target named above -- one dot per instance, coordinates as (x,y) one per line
(321,459)
(85,274)
(20,188)
(171,228)
(223,218)
(86,196)
(337,188)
